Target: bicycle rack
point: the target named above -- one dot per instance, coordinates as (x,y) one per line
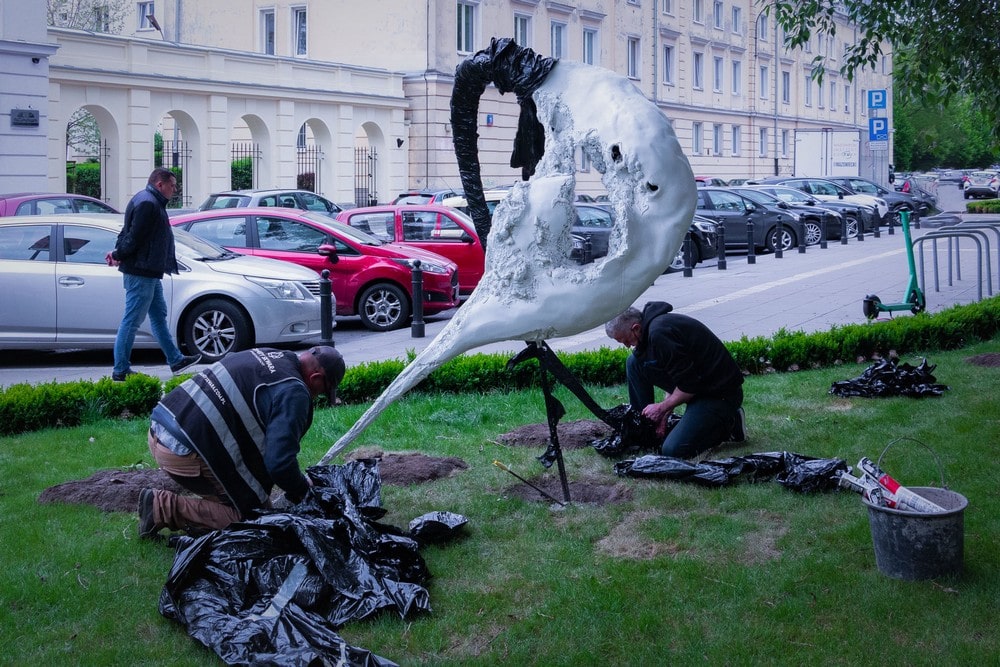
(953,236)
(984,225)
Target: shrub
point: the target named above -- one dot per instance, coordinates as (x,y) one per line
(983,206)
(241,174)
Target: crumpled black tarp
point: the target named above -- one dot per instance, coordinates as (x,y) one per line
(274,590)
(632,433)
(888,377)
(793,471)
(511,68)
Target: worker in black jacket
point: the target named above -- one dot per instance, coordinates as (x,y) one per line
(683,357)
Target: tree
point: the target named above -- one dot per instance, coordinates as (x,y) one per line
(83,136)
(941,48)
(96,15)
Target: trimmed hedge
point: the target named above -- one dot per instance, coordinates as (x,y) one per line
(26,407)
(983,206)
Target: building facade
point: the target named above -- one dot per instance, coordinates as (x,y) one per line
(379,77)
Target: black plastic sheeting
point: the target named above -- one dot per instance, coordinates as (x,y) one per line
(511,68)
(793,471)
(632,433)
(891,378)
(274,590)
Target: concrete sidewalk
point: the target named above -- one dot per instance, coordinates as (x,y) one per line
(814,291)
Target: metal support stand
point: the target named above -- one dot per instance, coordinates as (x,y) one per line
(325,307)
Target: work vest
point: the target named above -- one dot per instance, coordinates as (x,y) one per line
(216,414)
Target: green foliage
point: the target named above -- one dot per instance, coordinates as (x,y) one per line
(306,181)
(983,206)
(241,174)
(84,178)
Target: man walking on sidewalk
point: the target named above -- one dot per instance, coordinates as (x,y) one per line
(143,253)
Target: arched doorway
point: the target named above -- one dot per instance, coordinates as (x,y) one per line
(311,145)
(249,142)
(369,141)
(91,141)
(174,142)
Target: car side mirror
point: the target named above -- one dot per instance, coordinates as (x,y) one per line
(782,204)
(330,252)
(466,237)
(750,208)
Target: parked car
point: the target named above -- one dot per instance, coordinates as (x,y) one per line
(425,196)
(734,210)
(303,200)
(40,203)
(439,229)
(713,181)
(897,201)
(370,278)
(982,184)
(61,294)
(704,236)
(815,219)
(828,190)
(854,214)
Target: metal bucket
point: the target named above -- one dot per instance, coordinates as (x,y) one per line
(919,545)
(916,545)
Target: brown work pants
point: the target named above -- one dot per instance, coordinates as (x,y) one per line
(212,509)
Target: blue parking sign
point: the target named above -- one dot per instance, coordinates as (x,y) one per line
(877,99)
(878,129)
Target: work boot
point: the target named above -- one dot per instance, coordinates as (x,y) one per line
(739,433)
(121,377)
(148,528)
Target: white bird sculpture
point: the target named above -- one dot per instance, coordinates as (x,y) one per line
(531,290)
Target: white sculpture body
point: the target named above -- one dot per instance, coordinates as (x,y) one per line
(531,290)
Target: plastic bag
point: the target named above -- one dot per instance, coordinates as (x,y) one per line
(633,433)
(793,471)
(890,378)
(275,589)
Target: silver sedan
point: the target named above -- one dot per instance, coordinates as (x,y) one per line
(58,292)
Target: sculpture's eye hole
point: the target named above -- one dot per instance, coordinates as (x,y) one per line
(652,188)
(616,153)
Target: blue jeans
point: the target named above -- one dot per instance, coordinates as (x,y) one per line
(143,296)
(707,420)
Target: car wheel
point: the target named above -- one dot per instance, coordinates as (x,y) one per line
(214,328)
(384,307)
(677,263)
(965,195)
(852,227)
(813,232)
(788,240)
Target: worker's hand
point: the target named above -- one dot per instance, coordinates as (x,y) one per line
(109,258)
(658,413)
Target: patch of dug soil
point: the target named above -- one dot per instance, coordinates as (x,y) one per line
(594,491)
(110,490)
(990,360)
(572,435)
(403,469)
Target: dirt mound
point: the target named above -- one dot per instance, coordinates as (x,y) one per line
(596,491)
(572,435)
(403,469)
(990,359)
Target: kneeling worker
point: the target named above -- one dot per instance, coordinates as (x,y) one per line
(232,432)
(683,357)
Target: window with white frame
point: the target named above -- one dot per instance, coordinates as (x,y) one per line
(737,19)
(808,47)
(590,46)
(668,7)
(762,142)
(696,138)
(847,98)
(267,31)
(300,44)
(144,10)
(669,64)
(736,139)
(466,26)
(786,87)
(583,160)
(698,67)
(557,38)
(765,79)
(762,27)
(784,143)
(716,139)
(819,92)
(699,11)
(833,95)
(808,89)
(737,77)
(864,107)
(522,30)
(717,64)
(717,11)
(634,53)
(102,18)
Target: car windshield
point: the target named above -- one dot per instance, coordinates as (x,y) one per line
(352,233)
(759,196)
(224,201)
(196,248)
(791,195)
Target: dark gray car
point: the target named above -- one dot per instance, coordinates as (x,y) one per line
(897,201)
(773,227)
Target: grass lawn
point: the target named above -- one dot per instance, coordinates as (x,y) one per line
(749,574)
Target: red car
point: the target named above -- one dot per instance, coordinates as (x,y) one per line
(40,203)
(440,229)
(370,278)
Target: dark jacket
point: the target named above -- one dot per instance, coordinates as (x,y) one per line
(245,416)
(145,245)
(685,354)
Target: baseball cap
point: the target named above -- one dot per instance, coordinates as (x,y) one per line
(332,363)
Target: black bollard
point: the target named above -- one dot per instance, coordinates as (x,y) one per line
(890,224)
(802,242)
(720,246)
(843,229)
(325,307)
(751,250)
(417,326)
(779,239)
(688,269)
(822,233)
(861,230)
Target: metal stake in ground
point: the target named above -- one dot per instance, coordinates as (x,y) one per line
(541,491)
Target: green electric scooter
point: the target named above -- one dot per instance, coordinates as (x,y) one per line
(914,300)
